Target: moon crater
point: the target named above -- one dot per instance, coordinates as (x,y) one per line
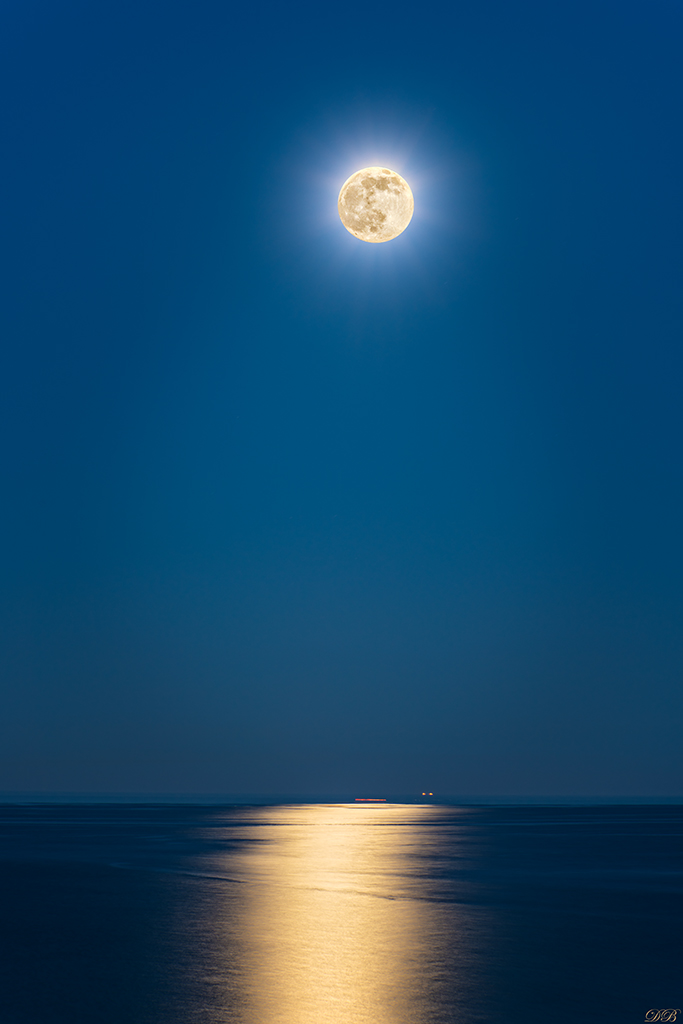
(375,204)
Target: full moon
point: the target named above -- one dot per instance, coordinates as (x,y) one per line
(375,204)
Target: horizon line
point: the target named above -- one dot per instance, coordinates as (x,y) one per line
(220,798)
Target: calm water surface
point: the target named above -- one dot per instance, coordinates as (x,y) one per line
(339,914)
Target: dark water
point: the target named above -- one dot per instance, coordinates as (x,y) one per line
(339,914)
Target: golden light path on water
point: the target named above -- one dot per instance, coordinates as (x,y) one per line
(336,923)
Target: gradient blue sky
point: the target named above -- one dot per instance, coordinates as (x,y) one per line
(287,512)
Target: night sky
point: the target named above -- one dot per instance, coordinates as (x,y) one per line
(288,513)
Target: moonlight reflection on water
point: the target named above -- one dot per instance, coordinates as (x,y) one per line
(338,914)
(338,923)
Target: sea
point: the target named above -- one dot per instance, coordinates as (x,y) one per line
(340,913)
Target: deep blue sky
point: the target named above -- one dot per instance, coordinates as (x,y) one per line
(287,512)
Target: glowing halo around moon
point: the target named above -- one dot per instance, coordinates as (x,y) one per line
(375,204)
